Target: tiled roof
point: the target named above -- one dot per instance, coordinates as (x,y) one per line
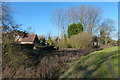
(28,38)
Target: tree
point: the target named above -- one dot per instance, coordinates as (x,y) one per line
(106,30)
(89,17)
(118,42)
(8,23)
(102,35)
(42,41)
(50,41)
(72,15)
(59,20)
(74,28)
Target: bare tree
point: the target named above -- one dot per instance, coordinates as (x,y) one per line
(106,29)
(59,20)
(8,22)
(0,22)
(0,14)
(90,17)
(72,15)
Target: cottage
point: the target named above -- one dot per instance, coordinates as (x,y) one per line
(18,35)
(30,39)
(25,38)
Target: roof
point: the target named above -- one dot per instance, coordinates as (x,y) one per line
(29,38)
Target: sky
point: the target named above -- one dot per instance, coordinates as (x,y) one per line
(60,0)
(38,14)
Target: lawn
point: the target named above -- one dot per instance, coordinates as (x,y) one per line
(99,64)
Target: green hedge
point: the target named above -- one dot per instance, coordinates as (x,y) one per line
(27,46)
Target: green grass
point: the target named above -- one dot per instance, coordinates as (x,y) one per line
(94,65)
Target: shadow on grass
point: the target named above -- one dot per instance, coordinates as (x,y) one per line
(98,63)
(88,73)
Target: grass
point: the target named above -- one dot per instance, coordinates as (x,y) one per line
(95,65)
(56,65)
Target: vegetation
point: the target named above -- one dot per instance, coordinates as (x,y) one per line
(26,63)
(47,64)
(16,57)
(63,44)
(50,42)
(96,65)
(89,18)
(82,23)
(118,42)
(81,40)
(42,41)
(74,28)
(105,30)
(8,22)
(84,40)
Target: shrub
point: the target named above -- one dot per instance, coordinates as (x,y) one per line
(50,41)
(118,42)
(42,41)
(74,28)
(95,42)
(27,46)
(63,43)
(80,40)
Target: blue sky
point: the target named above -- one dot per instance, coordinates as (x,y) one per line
(38,14)
(60,0)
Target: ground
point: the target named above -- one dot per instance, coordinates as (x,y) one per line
(99,64)
(82,63)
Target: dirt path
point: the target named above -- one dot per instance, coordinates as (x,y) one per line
(114,75)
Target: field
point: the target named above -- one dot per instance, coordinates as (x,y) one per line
(82,63)
(99,64)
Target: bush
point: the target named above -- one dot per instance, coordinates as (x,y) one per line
(27,46)
(74,28)
(50,41)
(95,42)
(63,44)
(118,42)
(81,40)
(42,41)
